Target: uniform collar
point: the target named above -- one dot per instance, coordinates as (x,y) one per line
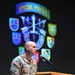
(25,59)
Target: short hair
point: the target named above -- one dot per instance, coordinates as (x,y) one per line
(27,44)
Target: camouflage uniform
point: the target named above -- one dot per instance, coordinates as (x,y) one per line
(21,66)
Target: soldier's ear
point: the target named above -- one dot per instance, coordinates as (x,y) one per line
(28,49)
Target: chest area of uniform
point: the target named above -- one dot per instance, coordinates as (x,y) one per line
(29,69)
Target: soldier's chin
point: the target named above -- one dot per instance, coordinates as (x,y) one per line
(34,53)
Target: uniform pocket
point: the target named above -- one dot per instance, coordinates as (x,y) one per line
(26,69)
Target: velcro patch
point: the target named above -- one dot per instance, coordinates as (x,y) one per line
(16,64)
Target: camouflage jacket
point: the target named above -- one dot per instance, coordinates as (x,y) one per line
(21,66)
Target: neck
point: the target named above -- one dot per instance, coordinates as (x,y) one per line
(28,56)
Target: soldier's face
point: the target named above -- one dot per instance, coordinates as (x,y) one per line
(32,48)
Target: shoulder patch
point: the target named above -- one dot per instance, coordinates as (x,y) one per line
(16,64)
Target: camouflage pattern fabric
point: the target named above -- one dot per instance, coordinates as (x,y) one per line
(21,66)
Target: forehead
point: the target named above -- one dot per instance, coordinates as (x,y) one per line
(30,44)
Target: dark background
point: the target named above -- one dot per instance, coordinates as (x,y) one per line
(62,55)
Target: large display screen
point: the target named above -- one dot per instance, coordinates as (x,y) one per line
(50,24)
(33,24)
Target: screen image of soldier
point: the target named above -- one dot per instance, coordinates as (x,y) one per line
(24,64)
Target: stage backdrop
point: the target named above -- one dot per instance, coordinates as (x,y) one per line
(48,23)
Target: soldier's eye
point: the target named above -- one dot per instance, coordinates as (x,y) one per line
(34,46)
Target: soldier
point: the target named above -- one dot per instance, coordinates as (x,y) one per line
(24,64)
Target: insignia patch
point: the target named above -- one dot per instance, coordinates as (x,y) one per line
(36,57)
(16,38)
(16,64)
(14,24)
(52,29)
(46,53)
(50,42)
(33,29)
